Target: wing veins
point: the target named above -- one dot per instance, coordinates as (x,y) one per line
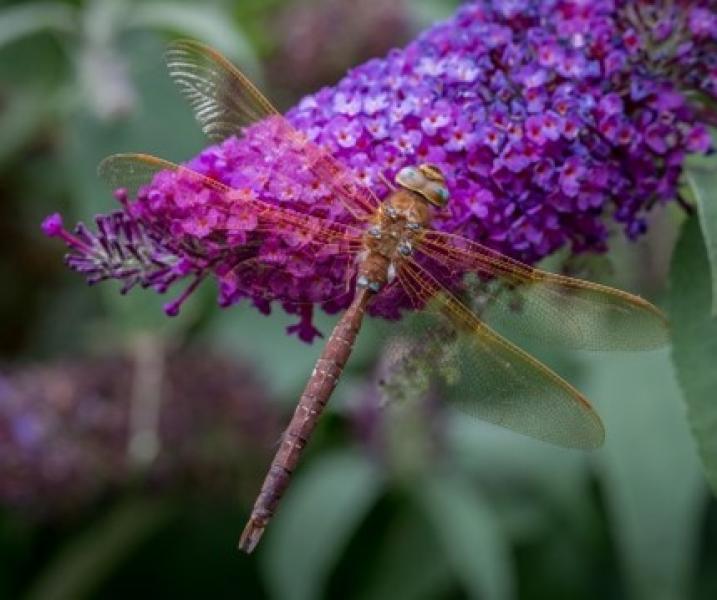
(238,103)
(557,402)
(115,167)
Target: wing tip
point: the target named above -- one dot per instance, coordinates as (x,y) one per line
(103,165)
(183,45)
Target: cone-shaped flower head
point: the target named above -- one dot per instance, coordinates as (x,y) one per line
(551,120)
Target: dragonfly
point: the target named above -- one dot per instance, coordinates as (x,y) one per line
(391,244)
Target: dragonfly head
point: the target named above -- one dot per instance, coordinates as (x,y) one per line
(427,181)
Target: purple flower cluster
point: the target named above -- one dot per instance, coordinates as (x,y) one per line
(120,249)
(66,430)
(550,119)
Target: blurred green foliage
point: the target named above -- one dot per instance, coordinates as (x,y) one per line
(695,341)
(487,514)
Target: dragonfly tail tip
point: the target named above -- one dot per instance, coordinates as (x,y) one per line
(250,536)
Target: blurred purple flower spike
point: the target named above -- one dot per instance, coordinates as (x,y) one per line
(549,118)
(67,429)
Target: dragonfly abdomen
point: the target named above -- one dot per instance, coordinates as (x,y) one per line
(318,390)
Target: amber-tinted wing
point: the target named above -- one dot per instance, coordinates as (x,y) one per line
(224,102)
(259,280)
(132,171)
(490,378)
(315,239)
(563,310)
(222,97)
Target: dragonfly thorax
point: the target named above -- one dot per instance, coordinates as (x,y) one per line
(390,237)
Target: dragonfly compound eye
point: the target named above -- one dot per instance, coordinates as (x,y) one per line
(436,193)
(410,177)
(444,194)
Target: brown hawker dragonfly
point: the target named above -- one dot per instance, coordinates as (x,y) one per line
(391,242)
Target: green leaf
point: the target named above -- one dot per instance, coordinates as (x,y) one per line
(649,471)
(701,176)
(82,565)
(321,510)
(283,361)
(205,23)
(141,312)
(427,12)
(469,537)
(20,21)
(406,565)
(694,350)
(554,480)
(21,119)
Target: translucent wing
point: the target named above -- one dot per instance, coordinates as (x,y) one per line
(572,312)
(222,97)
(314,240)
(224,102)
(132,171)
(490,378)
(255,278)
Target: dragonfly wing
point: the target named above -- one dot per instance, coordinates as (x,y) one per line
(487,376)
(255,278)
(563,310)
(222,97)
(133,171)
(224,102)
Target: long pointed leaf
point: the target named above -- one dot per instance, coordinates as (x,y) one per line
(650,473)
(694,351)
(205,23)
(20,21)
(470,537)
(82,565)
(703,184)
(321,510)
